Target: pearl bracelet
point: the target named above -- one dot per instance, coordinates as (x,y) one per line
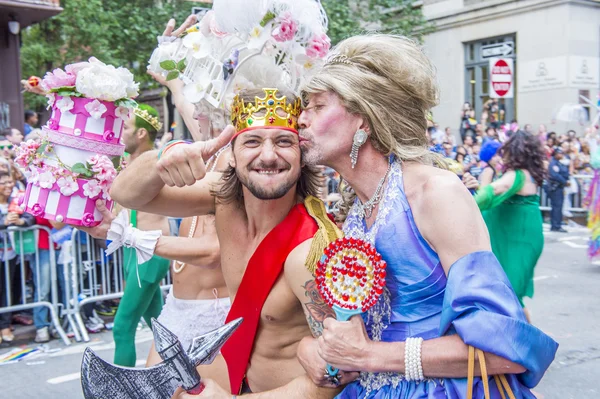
(412,359)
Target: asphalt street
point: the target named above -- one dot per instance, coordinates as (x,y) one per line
(566,305)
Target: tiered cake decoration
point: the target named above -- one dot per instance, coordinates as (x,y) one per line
(80,151)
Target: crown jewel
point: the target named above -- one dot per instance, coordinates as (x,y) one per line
(152,120)
(243,115)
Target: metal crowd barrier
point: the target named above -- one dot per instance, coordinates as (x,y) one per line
(24,242)
(91,277)
(583,182)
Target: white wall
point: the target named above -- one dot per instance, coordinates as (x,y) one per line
(545,31)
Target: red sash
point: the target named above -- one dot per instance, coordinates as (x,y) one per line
(264,267)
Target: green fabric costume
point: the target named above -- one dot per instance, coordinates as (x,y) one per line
(137,302)
(515,226)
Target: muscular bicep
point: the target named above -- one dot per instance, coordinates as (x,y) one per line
(302,283)
(185,201)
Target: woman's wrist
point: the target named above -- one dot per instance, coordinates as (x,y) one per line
(384,357)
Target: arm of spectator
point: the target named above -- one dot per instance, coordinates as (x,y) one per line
(470,181)
(33,89)
(175,86)
(184,107)
(28,219)
(3,223)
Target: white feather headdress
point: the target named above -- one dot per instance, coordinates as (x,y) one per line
(243,44)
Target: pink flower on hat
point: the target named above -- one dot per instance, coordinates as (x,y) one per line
(47,179)
(286,28)
(58,78)
(36,210)
(91,189)
(96,109)
(68,186)
(318,46)
(88,219)
(26,152)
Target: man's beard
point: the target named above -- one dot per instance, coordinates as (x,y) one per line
(311,154)
(130,148)
(260,192)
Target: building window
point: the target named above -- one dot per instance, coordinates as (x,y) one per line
(477,74)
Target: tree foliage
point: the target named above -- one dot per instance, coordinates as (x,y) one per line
(123,33)
(116,32)
(351,17)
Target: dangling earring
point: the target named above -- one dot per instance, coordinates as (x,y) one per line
(360,137)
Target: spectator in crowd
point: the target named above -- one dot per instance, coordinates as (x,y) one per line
(583,160)
(468,142)
(31,121)
(490,134)
(13,135)
(449,137)
(448,153)
(6,148)
(468,122)
(475,153)
(463,160)
(437,135)
(479,130)
(542,134)
(41,278)
(528,128)
(9,217)
(558,178)
(434,145)
(494,112)
(551,142)
(568,160)
(490,157)
(572,136)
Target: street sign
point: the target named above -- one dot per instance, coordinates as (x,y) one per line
(503,49)
(502,76)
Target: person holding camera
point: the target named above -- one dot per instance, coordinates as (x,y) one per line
(8,218)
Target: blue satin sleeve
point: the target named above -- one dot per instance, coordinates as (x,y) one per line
(482,308)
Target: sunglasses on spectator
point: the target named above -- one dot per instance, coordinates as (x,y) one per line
(7,146)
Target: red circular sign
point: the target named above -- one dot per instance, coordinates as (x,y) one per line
(501,78)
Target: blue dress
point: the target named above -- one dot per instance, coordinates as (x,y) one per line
(475,301)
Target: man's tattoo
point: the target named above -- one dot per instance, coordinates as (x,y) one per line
(316,308)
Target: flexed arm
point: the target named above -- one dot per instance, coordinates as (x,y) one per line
(147,184)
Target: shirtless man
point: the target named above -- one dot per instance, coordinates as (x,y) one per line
(261,191)
(198,301)
(146,301)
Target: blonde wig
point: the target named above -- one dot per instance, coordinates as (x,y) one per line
(389,81)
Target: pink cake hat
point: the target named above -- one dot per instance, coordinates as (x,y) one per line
(79,154)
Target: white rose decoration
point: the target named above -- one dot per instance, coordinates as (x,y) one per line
(131,87)
(105,82)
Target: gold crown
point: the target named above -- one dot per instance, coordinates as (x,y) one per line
(145,115)
(243,114)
